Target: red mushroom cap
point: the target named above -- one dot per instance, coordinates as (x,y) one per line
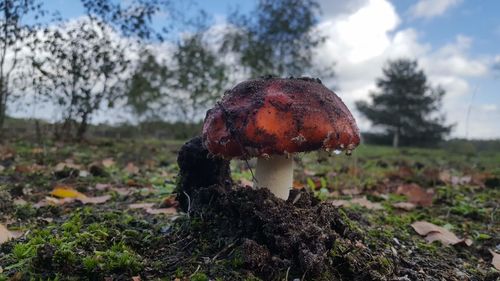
(277,116)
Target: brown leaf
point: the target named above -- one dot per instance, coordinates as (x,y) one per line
(445,176)
(95,200)
(351,191)
(102,186)
(68,164)
(136,278)
(37,150)
(416,194)
(407,206)
(141,205)
(19,202)
(131,168)
(61,201)
(28,169)
(298,185)
(122,190)
(496,260)
(148,207)
(165,211)
(6,235)
(2,168)
(363,202)
(461,180)
(433,233)
(169,202)
(108,162)
(245,182)
(7,152)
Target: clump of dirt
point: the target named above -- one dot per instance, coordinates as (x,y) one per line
(298,238)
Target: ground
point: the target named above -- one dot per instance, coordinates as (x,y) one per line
(79,211)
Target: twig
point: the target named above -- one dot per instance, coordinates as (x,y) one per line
(287,271)
(222,251)
(189,203)
(196,271)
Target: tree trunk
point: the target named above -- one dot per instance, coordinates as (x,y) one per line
(82,128)
(2,115)
(395,139)
(2,106)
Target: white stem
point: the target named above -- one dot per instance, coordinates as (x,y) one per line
(276,174)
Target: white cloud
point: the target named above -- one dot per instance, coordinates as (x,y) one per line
(360,43)
(432,8)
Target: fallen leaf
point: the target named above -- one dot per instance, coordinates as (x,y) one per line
(496,260)
(298,185)
(122,190)
(102,186)
(366,203)
(416,194)
(433,233)
(148,207)
(141,205)
(2,168)
(309,173)
(108,162)
(27,169)
(461,180)
(169,202)
(245,182)
(95,200)
(6,235)
(407,206)
(363,202)
(19,202)
(165,211)
(37,150)
(66,192)
(445,176)
(136,278)
(131,168)
(68,164)
(7,153)
(351,191)
(52,201)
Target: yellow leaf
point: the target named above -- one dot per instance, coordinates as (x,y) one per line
(66,192)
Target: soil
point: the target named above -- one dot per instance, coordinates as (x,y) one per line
(300,238)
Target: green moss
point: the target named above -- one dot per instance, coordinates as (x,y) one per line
(119,258)
(199,277)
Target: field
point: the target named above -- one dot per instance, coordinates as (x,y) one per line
(107,209)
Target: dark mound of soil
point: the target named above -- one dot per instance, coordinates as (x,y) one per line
(299,238)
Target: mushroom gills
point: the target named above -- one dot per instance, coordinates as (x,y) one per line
(276,174)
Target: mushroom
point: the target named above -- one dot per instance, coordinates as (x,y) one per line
(272,118)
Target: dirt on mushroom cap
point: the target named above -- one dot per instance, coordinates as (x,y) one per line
(276,116)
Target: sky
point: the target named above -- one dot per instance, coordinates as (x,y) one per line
(456,43)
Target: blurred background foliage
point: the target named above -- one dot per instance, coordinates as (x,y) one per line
(107,59)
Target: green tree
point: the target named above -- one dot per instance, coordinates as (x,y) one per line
(83,67)
(406,106)
(181,88)
(142,90)
(276,38)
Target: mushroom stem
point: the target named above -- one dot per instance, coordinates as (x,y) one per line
(276,174)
